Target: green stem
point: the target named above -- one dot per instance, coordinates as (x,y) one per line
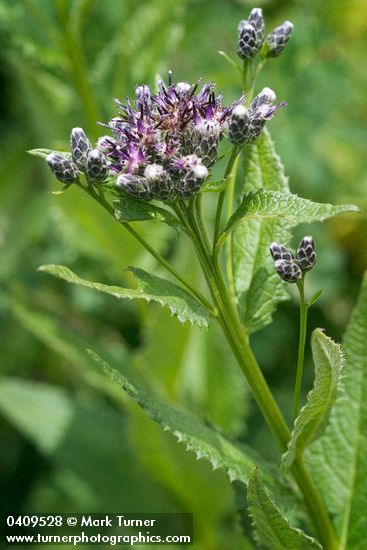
(230,204)
(315,506)
(99,197)
(250,73)
(228,318)
(247,74)
(302,341)
(218,215)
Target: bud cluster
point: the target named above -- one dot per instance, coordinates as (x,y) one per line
(289,267)
(83,159)
(245,125)
(181,177)
(251,33)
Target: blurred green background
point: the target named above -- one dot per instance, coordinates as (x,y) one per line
(71,441)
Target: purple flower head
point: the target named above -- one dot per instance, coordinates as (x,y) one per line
(180,121)
(210,120)
(174,106)
(171,134)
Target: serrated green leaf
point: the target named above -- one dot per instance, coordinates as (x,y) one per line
(42,412)
(203,440)
(150,288)
(272,528)
(287,207)
(328,361)
(258,287)
(338,459)
(129,209)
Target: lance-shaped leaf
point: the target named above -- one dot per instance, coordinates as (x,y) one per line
(129,209)
(338,459)
(205,441)
(258,287)
(43,153)
(150,288)
(272,528)
(328,360)
(230,60)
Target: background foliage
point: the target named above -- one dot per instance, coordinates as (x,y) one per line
(71,440)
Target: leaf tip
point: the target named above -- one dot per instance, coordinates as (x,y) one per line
(34,152)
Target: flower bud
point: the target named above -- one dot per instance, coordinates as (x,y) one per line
(256,19)
(276,41)
(62,168)
(205,141)
(137,186)
(280,252)
(288,271)
(159,182)
(189,174)
(80,147)
(247,41)
(306,254)
(97,167)
(192,181)
(239,125)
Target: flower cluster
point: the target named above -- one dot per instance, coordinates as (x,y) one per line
(289,267)
(245,125)
(163,144)
(251,36)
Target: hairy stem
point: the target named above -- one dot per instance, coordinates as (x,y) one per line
(229,321)
(222,194)
(250,72)
(301,347)
(230,204)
